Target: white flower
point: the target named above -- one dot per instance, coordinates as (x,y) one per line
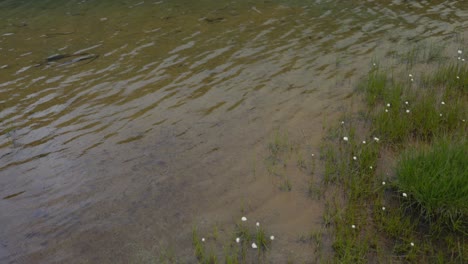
(383,183)
(442,103)
(254,246)
(370,167)
(374,64)
(363,142)
(404,195)
(440,115)
(406,103)
(383,208)
(203,239)
(407,110)
(463,120)
(354,158)
(463,59)
(388,105)
(258,224)
(412,79)
(412,244)
(386,110)
(459,58)
(459,52)
(313,155)
(458,77)
(353,226)
(244,219)
(342,122)
(272,237)
(237,240)
(345,138)
(410,75)
(376,139)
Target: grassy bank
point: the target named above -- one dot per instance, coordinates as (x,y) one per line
(396,173)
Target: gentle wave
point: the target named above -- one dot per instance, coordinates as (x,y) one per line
(165,77)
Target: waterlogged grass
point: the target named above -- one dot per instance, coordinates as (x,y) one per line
(402,110)
(422,53)
(397,191)
(248,243)
(437,181)
(280,149)
(278,146)
(286,158)
(452,76)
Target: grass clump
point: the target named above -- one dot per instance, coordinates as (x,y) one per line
(199,247)
(402,110)
(245,244)
(452,76)
(374,87)
(279,145)
(436,181)
(399,169)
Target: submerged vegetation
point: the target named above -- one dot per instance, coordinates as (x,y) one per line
(246,244)
(397,172)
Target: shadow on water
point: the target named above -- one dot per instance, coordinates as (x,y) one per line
(155,115)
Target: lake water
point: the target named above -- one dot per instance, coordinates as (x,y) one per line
(159,116)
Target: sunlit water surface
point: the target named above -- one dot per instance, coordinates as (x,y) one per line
(114,159)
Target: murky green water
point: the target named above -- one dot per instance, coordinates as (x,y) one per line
(114,159)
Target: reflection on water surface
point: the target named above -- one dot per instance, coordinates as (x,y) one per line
(166,123)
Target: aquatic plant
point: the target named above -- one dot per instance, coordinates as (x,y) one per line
(246,243)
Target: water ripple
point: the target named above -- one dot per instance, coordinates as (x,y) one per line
(172,82)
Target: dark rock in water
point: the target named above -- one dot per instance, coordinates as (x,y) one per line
(72,58)
(13,195)
(21,24)
(56,34)
(213,19)
(57,57)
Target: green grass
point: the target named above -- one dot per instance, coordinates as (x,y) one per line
(285,185)
(198,246)
(409,115)
(436,181)
(452,76)
(232,248)
(374,87)
(261,239)
(422,53)
(279,145)
(401,111)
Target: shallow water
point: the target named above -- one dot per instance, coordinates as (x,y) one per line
(113,160)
